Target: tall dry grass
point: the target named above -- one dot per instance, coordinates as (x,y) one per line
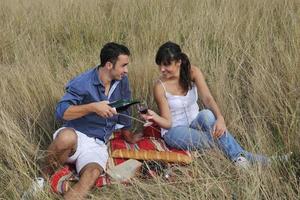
(248,51)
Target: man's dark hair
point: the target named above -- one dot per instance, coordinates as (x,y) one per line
(111,51)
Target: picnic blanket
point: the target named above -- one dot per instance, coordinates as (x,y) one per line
(151,147)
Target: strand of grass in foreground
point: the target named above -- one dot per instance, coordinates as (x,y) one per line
(193,180)
(138,120)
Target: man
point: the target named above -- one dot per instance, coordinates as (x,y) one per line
(88,119)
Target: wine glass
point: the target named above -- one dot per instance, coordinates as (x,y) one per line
(143,109)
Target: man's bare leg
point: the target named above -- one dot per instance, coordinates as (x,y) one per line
(62,147)
(88,177)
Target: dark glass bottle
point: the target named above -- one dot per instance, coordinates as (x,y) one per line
(123,104)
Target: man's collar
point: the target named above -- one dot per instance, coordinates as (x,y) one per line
(96,78)
(96,73)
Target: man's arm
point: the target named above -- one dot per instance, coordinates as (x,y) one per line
(72,106)
(101,108)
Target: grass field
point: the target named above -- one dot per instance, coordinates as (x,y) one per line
(248,50)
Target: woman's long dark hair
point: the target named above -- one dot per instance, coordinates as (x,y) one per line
(171,51)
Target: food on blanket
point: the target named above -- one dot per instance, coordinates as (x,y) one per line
(124,171)
(154,168)
(143,149)
(123,104)
(167,156)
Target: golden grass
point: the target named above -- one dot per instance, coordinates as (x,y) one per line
(248,51)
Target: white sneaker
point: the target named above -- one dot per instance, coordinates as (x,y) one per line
(281,158)
(242,162)
(36,186)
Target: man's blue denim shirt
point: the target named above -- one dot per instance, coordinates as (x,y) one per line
(87,88)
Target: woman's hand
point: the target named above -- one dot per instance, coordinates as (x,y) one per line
(150,116)
(219,127)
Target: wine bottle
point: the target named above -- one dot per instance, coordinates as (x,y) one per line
(123,104)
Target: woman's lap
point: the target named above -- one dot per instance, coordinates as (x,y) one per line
(183,137)
(196,136)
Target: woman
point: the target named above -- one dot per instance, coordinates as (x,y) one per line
(182,125)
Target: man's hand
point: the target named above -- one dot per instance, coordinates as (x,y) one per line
(219,128)
(103,109)
(131,137)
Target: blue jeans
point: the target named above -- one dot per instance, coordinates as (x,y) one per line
(198,137)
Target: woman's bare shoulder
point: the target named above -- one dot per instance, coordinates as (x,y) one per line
(195,72)
(157,86)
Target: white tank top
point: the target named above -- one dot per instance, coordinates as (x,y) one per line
(184,109)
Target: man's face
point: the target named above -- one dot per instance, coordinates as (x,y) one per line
(120,69)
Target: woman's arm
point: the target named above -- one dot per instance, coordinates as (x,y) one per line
(164,120)
(208,101)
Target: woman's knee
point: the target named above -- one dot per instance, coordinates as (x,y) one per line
(206,118)
(207,114)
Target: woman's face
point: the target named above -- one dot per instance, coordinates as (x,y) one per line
(171,70)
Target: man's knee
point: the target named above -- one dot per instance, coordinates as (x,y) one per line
(90,173)
(65,139)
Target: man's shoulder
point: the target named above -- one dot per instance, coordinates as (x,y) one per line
(82,81)
(82,78)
